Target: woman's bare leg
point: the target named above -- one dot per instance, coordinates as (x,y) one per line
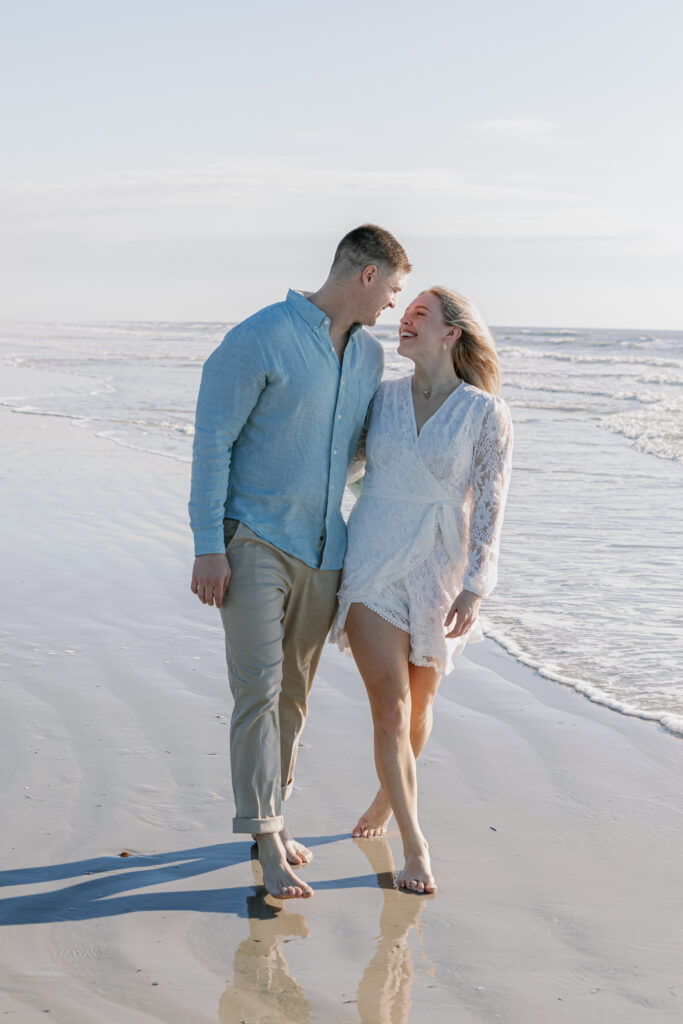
(381,653)
(424,683)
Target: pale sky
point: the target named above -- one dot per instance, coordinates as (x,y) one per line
(177,161)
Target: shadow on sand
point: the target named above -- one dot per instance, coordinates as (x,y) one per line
(262,988)
(110,883)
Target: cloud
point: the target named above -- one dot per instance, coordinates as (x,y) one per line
(268,197)
(239,181)
(525,129)
(257,194)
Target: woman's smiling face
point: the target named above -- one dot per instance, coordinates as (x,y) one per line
(422,330)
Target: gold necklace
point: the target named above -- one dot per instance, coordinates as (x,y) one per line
(427,392)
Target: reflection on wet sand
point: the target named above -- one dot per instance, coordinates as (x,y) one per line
(263,989)
(384,990)
(264,992)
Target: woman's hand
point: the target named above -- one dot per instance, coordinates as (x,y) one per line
(463,614)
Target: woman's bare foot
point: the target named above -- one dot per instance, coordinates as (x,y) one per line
(278,878)
(417,875)
(375,820)
(296,852)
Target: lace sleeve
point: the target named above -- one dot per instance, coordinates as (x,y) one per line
(491,464)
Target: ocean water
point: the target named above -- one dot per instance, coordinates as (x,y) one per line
(591,569)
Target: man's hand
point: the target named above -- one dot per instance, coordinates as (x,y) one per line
(210,578)
(463,613)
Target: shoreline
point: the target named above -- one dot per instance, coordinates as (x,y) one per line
(555,825)
(670,723)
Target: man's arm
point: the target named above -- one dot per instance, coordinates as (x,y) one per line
(232,381)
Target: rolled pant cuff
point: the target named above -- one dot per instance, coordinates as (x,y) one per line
(258,826)
(287,791)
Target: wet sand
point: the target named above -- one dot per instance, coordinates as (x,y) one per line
(556,825)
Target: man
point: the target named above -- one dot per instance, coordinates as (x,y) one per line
(281,406)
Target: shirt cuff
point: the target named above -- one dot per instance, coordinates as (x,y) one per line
(209,541)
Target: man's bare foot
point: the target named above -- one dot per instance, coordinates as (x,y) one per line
(417,875)
(278,878)
(296,852)
(375,820)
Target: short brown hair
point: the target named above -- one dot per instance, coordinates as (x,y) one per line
(367,245)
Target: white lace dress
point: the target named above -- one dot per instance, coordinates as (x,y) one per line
(427,524)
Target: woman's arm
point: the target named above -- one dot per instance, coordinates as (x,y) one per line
(491,465)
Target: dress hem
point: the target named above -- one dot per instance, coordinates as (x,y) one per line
(419,659)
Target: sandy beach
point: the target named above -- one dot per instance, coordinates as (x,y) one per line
(556,825)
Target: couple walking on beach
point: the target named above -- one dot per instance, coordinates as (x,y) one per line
(289,401)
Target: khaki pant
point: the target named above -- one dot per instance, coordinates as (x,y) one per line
(276,616)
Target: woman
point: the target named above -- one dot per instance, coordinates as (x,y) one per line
(422,544)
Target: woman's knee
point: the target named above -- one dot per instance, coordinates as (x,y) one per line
(421,708)
(423,689)
(392,715)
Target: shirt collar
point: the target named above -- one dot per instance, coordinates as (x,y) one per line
(313,316)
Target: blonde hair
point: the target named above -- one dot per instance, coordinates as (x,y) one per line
(474,353)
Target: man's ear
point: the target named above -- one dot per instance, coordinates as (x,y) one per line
(368,274)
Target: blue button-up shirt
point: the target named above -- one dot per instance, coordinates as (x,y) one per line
(278,422)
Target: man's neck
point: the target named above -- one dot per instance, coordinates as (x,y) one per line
(330,301)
